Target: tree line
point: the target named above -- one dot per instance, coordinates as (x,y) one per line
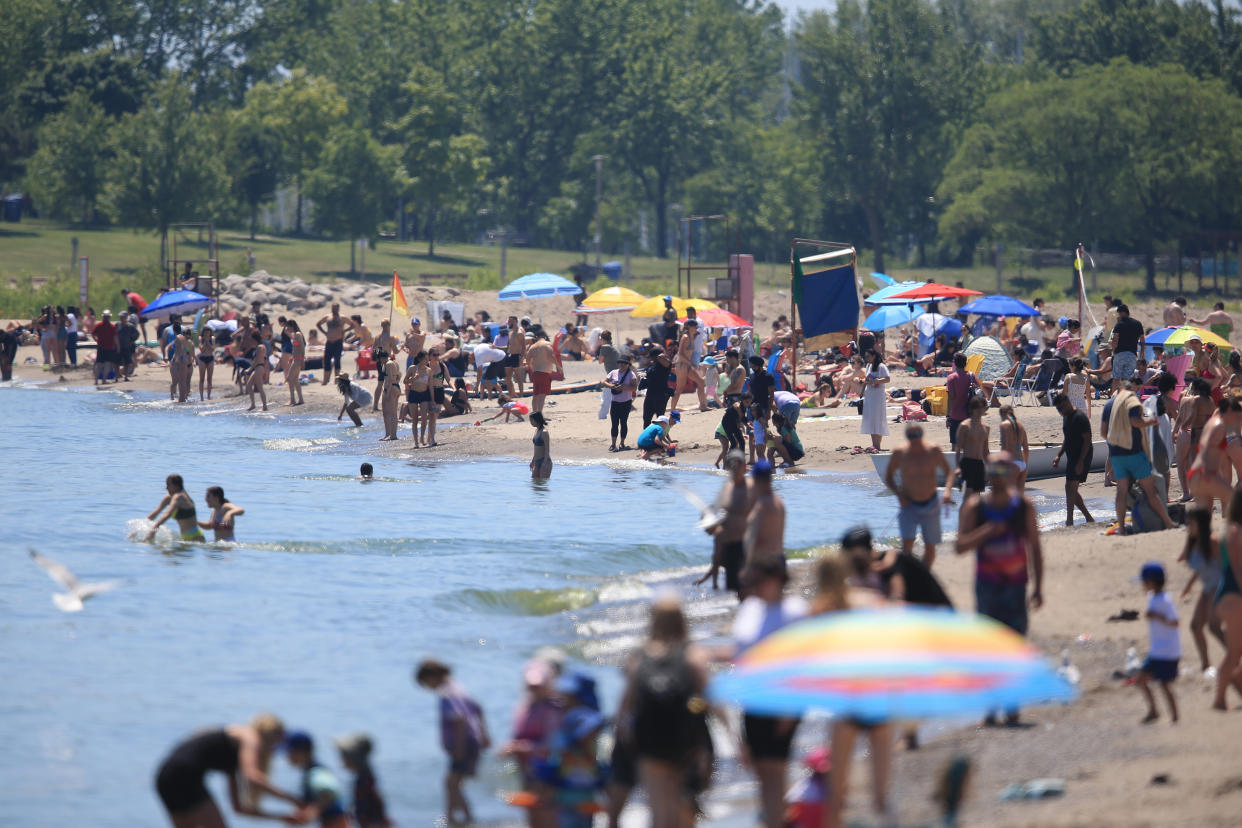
(916,129)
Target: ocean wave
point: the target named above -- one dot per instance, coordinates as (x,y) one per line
(526,601)
(300,444)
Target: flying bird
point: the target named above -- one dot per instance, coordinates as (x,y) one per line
(75,592)
(710,516)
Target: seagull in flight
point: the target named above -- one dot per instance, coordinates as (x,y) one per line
(75,592)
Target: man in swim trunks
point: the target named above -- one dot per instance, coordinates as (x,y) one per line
(414,340)
(515,351)
(334,340)
(729,535)
(972,446)
(1077,450)
(1127,449)
(541,362)
(1218,321)
(919,465)
(765,525)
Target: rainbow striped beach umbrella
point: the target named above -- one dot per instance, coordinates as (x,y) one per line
(898,663)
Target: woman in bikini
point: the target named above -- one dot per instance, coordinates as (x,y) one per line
(541,461)
(1013,439)
(258,376)
(1229,604)
(1211,473)
(459,403)
(177,505)
(1193,412)
(206,365)
(297,358)
(418,395)
(438,377)
(222,514)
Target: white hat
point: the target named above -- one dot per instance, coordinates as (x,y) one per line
(663,418)
(1194,338)
(107,313)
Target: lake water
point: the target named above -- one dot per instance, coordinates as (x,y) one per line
(335,590)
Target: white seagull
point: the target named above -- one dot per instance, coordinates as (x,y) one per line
(70,600)
(709,516)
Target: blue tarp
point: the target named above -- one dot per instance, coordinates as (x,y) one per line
(829,307)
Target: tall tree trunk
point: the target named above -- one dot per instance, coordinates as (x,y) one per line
(661,208)
(877,234)
(431,234)
(254,219)
(297,223)
(1149,259)
(353,252)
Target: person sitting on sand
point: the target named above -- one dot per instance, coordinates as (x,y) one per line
(241,752)
(459,402)
(222,514)
(356,397)
(178,505)
(541,461)
(653,440)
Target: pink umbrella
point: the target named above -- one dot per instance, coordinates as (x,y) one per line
(719,318)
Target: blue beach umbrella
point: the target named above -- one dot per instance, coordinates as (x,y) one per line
(998,306)
(890,316)
(882,279)
(536,286)
(881,296)
(177,301)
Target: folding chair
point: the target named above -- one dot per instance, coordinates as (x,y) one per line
(1041,383)
(1013,385)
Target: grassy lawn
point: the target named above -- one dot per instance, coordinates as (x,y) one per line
(36,266)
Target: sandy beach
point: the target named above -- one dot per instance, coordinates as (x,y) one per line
(1111,764)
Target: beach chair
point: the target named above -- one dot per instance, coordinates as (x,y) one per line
(1177,366)
(1011,385)
(973,363)
(1042,381)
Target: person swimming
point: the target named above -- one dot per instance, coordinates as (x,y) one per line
(222,514)
(366,473)
(178,506)
(541,462)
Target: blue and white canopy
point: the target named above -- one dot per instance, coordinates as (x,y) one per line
(177,301)
(537,286)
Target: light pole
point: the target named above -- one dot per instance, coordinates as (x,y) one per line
(599,197)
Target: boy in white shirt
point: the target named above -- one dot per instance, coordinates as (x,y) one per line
(1166,646)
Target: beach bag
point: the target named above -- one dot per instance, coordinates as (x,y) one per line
(911,410)
(605,403)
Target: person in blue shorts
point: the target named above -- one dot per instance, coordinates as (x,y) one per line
(1127,449)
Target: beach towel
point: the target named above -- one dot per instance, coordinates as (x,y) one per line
(1119,433)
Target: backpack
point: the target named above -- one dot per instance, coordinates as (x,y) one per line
(665,719)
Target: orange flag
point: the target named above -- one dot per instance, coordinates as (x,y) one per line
(398,297)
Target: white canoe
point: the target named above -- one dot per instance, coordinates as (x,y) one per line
(1039,466)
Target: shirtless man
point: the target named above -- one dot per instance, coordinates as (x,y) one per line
(684,368)
(972,447)
(729,534)
(918,464)
(385,344)
(334,340)
(1014,441)
(736,374)
(414,341)
(541,362)
(765,525)
(1175,312)
(515,352)
(1218,321)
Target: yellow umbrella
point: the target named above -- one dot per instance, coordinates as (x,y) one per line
(655,306)
(612,298)
(1179,336)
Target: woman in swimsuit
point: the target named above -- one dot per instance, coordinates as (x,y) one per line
(459,403)
(437,376)
(541,462)
(46,326)
(258,376)
(1193,412)
(1013,439)
(297,358)
(178,506)
(206,365)
(1208,572)
(418,395)
(222,514)
(1229,605)
(1219,450)
(242,752)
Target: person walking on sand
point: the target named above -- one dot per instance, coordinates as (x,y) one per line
(390,393)
(999,527)
(623,383)
(1229,604)
(541,460)
(729,533)
(515,351)
(297,359)
(875,400)
(920,466)
(958,388)
(258,377)
(333,329)
(463,735)
(686,373)
(541,363)
(1208,572)
(222,514)
(972,446)
(356,397)
(1165,647)
(418,396)
(1013,439)
(1077,450)
(1124,426)
(242,752)
(765,525)
(179,506)
(665,715)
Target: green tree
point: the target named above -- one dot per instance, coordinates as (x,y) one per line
(350,186)
(168,166)
(69,170)
(302,110)
(440,161)
(883,87)
(254,158)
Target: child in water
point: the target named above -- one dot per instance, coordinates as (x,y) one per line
(368,805)
(222,514)
(463,735)
(321,792)
(366,474)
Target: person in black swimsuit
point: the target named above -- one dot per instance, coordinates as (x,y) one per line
(241,752)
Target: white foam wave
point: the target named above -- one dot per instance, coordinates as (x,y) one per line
(138,529)
(300,444)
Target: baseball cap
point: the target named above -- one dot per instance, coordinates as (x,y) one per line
(299,740)
(675,416)
(1151,569)
(762,468)
(623,358)
(1194,338)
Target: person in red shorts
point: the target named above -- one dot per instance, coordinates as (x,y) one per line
(541,362)
(107,343)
